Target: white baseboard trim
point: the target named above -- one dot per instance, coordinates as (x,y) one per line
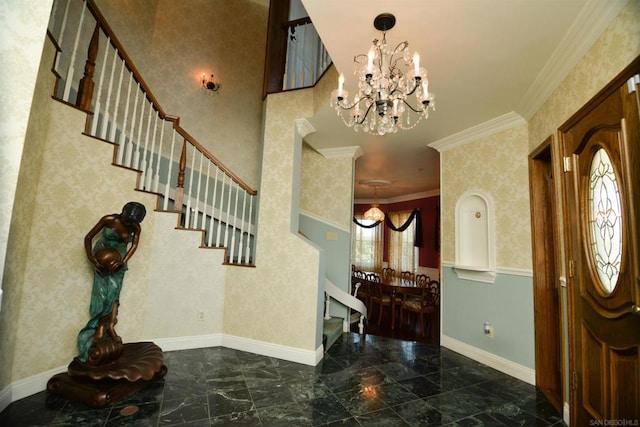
(291,354)
(516,370)
(37,383)
(5,397)
(188,343)
(28,386)
(566,417)
(278,351)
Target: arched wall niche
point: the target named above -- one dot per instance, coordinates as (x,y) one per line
(475,237)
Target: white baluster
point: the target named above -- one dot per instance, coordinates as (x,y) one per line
(112,132)
(60,40)
(71,71)
(244,208)
(226,228)
(303,56)
(106,118)
(196,199)
(219,234)
(122,139)
(136,154)
(167,186)
(149,173)
(128,159)
(206,195)
(96,110)
(156,176)
(144,150)
(327,303)
(187,222)
(248,248)
(233,228)
(213,209)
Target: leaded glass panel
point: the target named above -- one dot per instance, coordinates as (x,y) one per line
(605,221)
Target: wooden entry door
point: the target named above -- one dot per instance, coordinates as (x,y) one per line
(601,145)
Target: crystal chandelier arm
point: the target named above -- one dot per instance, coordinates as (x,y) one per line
(425,105)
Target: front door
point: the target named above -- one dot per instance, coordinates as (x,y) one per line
(601,146)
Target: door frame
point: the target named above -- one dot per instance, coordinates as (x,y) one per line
(544,219)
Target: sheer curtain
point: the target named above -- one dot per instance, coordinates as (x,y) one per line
(402,252)
(366,245)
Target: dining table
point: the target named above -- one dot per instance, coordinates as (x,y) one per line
(395,286)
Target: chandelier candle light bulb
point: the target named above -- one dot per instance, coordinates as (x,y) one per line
(384,89)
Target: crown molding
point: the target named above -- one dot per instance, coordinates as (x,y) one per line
(353,151)
(304,127)
(398,199)
(590,23)
(488,128)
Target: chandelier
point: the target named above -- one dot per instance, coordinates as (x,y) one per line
(383,103)
(374,213)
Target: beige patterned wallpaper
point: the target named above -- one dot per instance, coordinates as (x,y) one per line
(21,42)
(229,42)
(261,302)
(496,165)
(326,186)
(614,50)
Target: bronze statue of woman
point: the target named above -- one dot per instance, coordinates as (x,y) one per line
(117,243)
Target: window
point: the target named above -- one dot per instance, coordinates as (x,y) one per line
(403,255)
(366,245)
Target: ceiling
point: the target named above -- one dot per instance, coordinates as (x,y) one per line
(486,59)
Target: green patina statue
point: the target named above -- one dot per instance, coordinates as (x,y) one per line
(119,236)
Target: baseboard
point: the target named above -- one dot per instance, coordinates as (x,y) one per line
(37,383)
(244,344)
(566,417)
(516,370)
(28,386)
(291,354)
(5,397)
(188,343)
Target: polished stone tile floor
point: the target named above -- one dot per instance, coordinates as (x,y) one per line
(363,380)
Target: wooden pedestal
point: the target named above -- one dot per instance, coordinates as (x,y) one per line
(139,365)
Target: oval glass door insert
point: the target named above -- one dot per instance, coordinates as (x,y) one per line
(605,220)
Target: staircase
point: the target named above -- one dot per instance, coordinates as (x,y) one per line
(95,74)
(333,327)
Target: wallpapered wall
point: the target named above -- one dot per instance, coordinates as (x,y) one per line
(22,36)
(326,186)
(614,50)
(261,302)
(496,165)
(22,39)
(171,55)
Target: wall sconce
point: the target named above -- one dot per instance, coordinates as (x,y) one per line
(210,83)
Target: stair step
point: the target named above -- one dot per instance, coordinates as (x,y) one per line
(332,330)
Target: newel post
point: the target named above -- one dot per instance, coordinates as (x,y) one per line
(179,198)
(85,89)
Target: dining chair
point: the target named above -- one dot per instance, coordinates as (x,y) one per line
(378,298)
(427,303)
(360,287)
(387,274)
(407,276)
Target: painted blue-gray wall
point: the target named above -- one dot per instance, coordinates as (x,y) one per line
(507,304)
(337,255)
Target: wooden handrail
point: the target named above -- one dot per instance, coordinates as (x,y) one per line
(101,21)
(296,22)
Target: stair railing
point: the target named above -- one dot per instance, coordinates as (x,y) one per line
(307,58)
(122,110)
(332,291)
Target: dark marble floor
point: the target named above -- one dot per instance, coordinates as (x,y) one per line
(363,380)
